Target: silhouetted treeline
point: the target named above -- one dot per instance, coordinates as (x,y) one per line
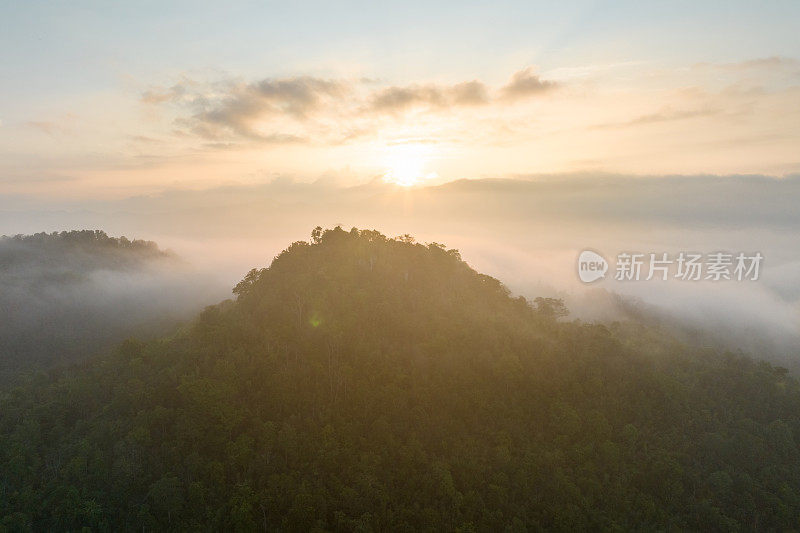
(362,383)
(76,250)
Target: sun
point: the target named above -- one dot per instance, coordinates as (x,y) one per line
(406,165)
(405,172)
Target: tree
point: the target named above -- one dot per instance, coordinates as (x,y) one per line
(166,496)
(551,307)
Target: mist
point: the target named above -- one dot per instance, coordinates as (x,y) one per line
(526,231)
(68,296)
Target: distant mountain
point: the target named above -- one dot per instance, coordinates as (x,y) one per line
(78,249)
(65,295)
(362,383)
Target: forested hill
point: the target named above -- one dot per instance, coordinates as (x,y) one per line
(87,249)
(65,295)
(369,384)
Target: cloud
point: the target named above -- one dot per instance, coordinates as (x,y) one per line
(762,74)
(394,99)
(772,62)
(526,83)
(400,98)
(160,96)
(666,115)
(298,109)
(294,96)
(238,111)
(470,93)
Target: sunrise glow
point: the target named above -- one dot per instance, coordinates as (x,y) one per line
(408,165)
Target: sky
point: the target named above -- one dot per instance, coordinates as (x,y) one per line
(520,133)
(108,100)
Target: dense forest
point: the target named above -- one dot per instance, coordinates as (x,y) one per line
(362,383)
(68,294)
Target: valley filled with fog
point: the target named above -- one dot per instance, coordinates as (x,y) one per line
(526,232)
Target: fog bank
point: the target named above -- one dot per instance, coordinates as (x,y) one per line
(526,231)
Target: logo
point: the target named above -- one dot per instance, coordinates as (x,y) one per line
(683,266)
(591,266)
